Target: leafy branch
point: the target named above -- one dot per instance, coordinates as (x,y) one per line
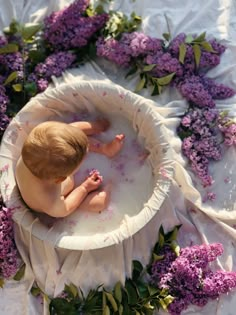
(135,297)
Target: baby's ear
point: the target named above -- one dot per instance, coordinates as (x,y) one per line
(60,179)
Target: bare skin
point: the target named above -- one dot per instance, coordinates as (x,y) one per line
(59,197)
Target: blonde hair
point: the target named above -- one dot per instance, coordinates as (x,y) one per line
(54,149)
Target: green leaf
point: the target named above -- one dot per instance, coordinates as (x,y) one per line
(175,247)
(197,54)
(224,113)
(89,11)
(182,52)
(69,290)
(36,56)
(166,36)
(99,9)
(148,305)
(173,235)
(168,300)
(149,67)
(156,257)
(112,301)
(163,304)
(207,46)
(136,17)
(29,30)
(159,89)
(161,240)
(188,39)
(31,88)
(9,48)
(20,273)
(106,311)
(118,292)
(92,51)
(59,306)
(166,79)
(142,289)
(17,87)
(131,291)
(132,71)
(46,297)
(121,309)
(153,290)
(200,38)
(11,77)
(137,269)
(164,292)
(13,28)
(140,85)
(1,283)
(73,290)
(35,291)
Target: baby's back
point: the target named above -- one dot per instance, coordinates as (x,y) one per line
(33,191)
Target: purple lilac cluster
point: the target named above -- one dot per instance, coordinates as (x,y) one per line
(70,28)
(10,62)
(4,119)
(130,46)
(228,129)
(54,64)
(208,59)
(165,64)
(9,257)
(188,277)
(198,128)
(201,91)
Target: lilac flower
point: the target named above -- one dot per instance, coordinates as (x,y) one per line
(4,122)
(10,63)
(219,48)
(141,44)
(175,43)
(229,132)
(9,257)
(217,90)
(4,119)
(54,64)
(77,27)
(42,84)
(4,100)
(131,45)
(194,91)
(114,51)
(208,59)
(200,142)
(3,41)
(165,64)
(188,277)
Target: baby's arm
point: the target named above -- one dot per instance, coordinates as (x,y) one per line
(92,127)
(66,205)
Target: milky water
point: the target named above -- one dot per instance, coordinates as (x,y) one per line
(131,181)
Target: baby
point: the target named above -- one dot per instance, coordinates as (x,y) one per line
(51,155)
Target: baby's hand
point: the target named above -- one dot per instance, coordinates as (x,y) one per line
(92,182)
(100,125)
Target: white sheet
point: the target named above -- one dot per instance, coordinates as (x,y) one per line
(215,221)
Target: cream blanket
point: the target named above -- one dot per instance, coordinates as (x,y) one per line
(209,222)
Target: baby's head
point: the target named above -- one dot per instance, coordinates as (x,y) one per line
(53,150)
